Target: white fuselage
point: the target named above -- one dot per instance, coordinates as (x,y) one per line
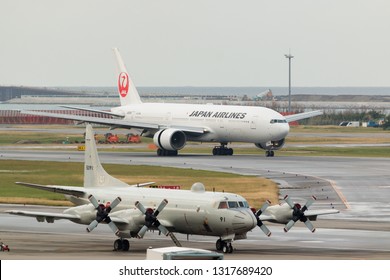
(222,123)
(187,211)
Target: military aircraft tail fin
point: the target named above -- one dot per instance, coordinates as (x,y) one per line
(94,174)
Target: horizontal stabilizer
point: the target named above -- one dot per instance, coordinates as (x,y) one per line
(75,191)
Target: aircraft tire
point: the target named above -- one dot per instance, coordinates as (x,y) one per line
(118,245)
(227,248)
(126,245)
(219,245)
(165,153)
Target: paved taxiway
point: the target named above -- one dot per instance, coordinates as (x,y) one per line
(359,187)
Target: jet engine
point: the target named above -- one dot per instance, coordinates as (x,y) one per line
(271,146)
(170,139)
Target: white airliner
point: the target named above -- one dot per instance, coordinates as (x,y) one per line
(172,125)
(130,211)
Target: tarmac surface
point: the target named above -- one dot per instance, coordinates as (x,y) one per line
(358,187)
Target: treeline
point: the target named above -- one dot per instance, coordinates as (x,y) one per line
(336,117)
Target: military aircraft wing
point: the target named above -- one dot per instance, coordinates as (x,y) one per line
(50,216)
(301,116)
(314,213)
(41,216)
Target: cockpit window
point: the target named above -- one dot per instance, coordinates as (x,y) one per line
(233,204)
(223,205)
(243,204)
(278,121)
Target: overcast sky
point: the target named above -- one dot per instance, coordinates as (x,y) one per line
(195,43)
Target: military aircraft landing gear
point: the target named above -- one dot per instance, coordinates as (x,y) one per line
(269,153)
(224,246)
(121,245)
(222,150)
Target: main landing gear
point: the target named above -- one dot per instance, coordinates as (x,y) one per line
(165,153)
(222,150)
(269,153)
(224,246)
(121,245)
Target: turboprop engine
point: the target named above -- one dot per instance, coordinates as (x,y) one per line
(169,141)
(271,146)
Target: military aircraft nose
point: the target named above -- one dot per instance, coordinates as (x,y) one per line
(244,221)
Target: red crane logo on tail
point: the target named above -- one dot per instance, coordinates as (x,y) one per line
(123,84)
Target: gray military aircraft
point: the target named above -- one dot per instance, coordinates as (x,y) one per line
(131,211)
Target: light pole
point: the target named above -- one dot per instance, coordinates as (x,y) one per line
(289,56)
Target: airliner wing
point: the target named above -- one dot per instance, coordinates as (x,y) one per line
(301,116)
(117,123)
(93,111)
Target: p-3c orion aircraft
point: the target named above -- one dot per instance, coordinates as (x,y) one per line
(131,211)
(172,125)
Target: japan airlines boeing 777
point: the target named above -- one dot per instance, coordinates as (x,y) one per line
(131,211)
(172,125)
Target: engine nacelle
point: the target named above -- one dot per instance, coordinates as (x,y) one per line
(271,145)
(170,139)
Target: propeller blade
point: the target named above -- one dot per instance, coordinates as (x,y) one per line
(163,230)
(93,200)
(115,202)
(264,228)
(92,225)
(161,207)
(142,232)
(289,225)
(309,202)
(263,208)
(289,201)
(140,207)
(310,226)
(113,227)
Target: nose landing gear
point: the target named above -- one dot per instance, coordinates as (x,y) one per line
(224,246)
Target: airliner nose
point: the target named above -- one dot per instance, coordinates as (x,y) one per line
(279,131)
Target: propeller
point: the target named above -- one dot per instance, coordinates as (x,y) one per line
(102,213)
(299,213)
(151,218)
(260,224)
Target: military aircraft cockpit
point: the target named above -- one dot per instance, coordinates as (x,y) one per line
(233,204)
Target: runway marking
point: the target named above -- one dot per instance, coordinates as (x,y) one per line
(340,194)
